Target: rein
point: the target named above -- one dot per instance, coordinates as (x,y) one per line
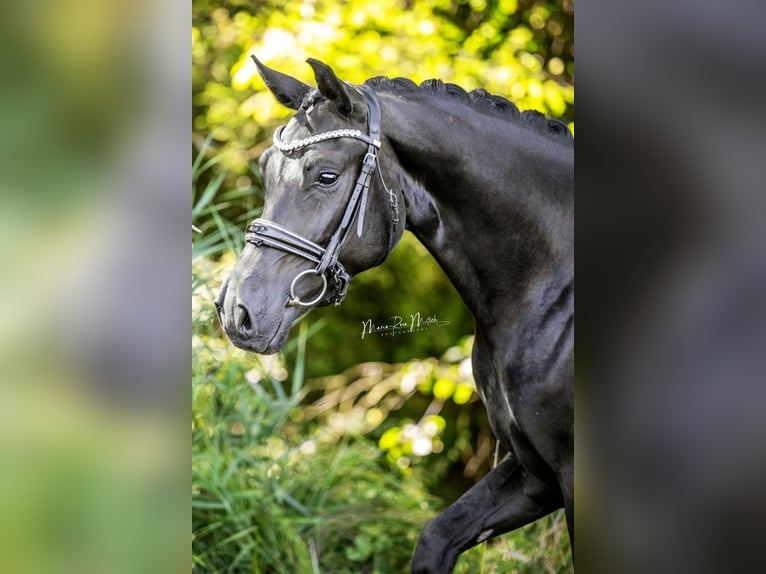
(264,232)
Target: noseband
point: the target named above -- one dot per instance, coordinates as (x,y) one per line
(264,232)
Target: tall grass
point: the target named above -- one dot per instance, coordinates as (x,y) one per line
(266,502)
(221,214)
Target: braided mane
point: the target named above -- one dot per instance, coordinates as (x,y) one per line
(480,100)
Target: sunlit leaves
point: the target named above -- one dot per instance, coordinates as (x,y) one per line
(514,48)
(443,388)
(463,393)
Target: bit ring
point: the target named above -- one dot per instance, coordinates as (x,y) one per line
(295,300)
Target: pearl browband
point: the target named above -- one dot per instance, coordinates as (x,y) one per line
(316,138)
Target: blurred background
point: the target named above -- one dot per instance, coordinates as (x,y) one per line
(671,456)
(95,99)
(331,456)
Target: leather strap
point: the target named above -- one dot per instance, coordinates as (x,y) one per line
(265,232)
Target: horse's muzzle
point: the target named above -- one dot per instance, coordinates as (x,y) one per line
(251,327)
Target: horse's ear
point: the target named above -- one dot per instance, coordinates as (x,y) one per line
(288,91)
(332,87)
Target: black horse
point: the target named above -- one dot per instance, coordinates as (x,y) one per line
(489,191)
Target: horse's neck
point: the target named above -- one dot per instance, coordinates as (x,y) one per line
(477,198)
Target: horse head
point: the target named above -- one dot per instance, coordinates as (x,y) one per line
(327,214)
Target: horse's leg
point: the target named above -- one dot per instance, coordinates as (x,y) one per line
(507,498)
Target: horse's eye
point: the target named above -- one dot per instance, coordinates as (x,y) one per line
(327,178)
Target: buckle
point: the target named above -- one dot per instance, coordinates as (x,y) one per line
(371,156)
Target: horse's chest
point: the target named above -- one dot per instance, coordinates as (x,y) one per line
(494,395)
(516,411)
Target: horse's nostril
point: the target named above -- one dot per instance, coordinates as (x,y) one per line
(244,323)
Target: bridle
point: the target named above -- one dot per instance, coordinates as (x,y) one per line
(263,232)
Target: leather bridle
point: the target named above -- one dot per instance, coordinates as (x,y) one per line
(263,232)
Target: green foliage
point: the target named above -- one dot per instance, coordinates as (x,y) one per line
(264,501)
(424,414)
(219,213)
(409,282)
(521,49)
